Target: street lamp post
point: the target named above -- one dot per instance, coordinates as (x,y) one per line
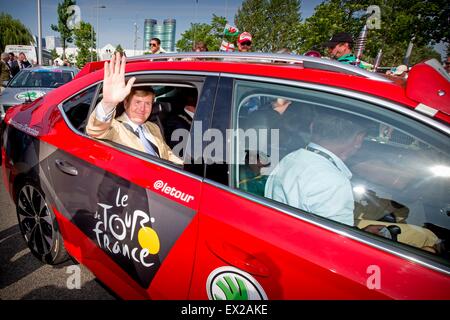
(92,33)
(98,33)
(39,42)
(135,38)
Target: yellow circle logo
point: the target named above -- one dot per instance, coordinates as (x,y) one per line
(148,239)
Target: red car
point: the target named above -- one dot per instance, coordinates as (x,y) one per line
(217,227)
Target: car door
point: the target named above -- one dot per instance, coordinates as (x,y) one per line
(129,217)
(254,247)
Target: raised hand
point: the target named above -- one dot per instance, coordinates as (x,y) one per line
(114,88)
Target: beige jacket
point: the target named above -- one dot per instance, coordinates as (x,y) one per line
(115,131)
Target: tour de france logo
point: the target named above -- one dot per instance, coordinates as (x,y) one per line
(118,234)
(30,95)
(229,283)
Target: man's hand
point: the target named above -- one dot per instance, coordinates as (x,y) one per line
(114,88)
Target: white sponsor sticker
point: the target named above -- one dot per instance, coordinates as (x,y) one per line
(172,191)
(230,283)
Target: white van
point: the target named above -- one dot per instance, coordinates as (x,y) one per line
(30,53)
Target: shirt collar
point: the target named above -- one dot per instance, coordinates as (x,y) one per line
(339,163)
(190,113)
(348,56)
(133,125)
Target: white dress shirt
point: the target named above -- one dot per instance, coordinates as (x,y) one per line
(102,116)
(313,183)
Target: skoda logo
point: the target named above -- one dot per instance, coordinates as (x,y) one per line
(29,95)
(229,283)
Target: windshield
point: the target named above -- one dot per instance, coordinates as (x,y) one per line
(41,78)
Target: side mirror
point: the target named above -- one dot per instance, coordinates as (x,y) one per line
(5,83)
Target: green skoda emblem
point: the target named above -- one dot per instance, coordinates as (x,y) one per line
(229,283)
(29,95)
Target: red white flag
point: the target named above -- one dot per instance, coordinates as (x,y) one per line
(227,46)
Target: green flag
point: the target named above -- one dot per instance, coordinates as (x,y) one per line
(230,30)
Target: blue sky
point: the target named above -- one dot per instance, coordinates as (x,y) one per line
(117,19)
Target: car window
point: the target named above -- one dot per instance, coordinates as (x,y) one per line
(77,108)
(41,78)
(344,160)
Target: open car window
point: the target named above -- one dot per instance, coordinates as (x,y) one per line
(399,175)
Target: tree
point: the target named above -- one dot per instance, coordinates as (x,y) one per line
(13,32)
(272,23)
(84,40)
(401,21)
(65,32)
(54,54)
(119,49)
(210,34)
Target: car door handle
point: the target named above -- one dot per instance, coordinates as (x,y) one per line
(66,167)
(238,258)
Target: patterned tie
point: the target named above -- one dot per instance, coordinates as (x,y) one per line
(147,146)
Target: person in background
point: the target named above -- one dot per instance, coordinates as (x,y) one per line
(182,121)
(200,46)
(13,64)
(244,42)
(23,62)
(447,64)
(66,63)
(340,48)
(5,74)
(155,46)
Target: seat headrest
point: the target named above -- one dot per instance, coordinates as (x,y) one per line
(161,107)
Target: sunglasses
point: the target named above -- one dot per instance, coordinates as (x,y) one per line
(153,44)
(246,43)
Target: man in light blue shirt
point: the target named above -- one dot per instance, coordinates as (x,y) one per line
(316,179)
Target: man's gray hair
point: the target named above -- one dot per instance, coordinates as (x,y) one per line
(5,55)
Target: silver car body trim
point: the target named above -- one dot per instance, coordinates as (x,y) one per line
(426,110)
(272,58)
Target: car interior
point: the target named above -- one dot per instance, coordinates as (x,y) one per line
(387,186)
(170,99)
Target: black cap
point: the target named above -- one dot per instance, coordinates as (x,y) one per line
(340,37)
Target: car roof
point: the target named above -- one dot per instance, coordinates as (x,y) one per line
(297,68)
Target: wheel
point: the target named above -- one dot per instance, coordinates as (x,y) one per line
(38,225)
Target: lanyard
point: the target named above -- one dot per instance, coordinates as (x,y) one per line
(323,154)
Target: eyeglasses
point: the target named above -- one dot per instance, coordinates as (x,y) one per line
(153,44)
(246,43)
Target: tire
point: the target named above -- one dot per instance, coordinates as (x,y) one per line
(38,225)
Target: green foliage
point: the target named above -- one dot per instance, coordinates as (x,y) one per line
(84,37)
(54,54)
(13,32)
(401,21)
(272,23)
(66,34)
(393,56)
(119,49)
(210,34)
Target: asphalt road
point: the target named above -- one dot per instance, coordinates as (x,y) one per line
(22,276)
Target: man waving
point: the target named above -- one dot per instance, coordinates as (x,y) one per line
(131,128)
